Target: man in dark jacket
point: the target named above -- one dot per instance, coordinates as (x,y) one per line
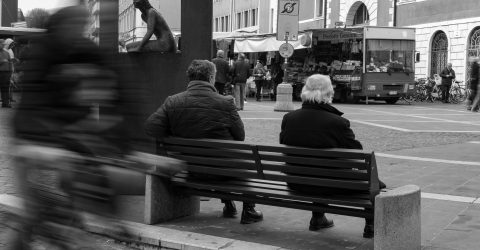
(447,75)
(200,112)
(241,72)
(223,71)
(319,125)
(473,81)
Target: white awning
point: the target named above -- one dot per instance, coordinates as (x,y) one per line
(268,43)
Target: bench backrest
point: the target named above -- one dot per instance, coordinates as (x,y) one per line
(332,168)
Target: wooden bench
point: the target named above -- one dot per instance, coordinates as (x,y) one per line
(256,173)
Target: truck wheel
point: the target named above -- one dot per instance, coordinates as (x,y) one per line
(391,100)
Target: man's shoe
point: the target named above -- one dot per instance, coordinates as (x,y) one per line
(229,210)
(368,231)
(319,222)
(250,215)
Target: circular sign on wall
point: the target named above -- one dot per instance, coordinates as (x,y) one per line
(286,50)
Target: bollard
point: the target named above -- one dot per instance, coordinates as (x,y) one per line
(397,219)
(284,98)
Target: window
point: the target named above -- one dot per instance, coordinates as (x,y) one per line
(254,17)
(227,27)
(390,56)
(223,24)
(319,8)
(245,18)
(216,24)
(361,16)
(239,20)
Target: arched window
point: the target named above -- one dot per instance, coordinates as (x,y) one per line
(361,16)
(439,53)
(473,48)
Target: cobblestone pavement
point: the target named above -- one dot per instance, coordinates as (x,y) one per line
(433,140)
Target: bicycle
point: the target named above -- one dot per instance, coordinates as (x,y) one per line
(458,94)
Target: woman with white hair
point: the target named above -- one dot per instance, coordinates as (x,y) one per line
(319,125)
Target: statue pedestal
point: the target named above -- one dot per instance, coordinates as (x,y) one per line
(284,98)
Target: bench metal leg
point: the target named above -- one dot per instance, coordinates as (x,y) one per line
(162,203)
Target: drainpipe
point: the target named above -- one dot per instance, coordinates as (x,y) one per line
(325,14)
(395,13)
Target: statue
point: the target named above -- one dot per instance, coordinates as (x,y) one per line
(156,25)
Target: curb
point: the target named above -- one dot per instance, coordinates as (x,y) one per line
(155,237)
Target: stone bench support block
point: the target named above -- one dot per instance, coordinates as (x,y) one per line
(397,219)
(284,97)
(162,203)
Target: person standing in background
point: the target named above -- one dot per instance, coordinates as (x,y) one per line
(223,71)
(259,74)
(447,75)
(241,72)
(9,43)
(5,75)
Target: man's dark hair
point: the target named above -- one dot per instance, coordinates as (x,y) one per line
(201,70)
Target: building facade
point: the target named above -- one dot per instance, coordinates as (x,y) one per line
(446,30)
(260,16)
(94,26)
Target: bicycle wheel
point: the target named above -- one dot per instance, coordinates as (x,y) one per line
(463,94)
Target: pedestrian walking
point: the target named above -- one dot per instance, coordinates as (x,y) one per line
(319,125)
(223,72)
(200,112)
(240,72)
(474,74)
(5,75)
(476,100)
(447,75)
(68,120)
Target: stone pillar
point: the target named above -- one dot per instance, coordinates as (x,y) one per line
(284,97)
(108,30)
(9,12)
(162,203)
(397,219)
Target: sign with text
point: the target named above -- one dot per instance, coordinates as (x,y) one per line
(287,20)
(328,35)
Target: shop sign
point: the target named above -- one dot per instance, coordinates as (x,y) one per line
(329,35)
(287,20)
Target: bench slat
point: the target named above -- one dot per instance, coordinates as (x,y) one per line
(218,162)
(317,161)
(224,153)
(318,171)
(328,153)
(276,176)
(266,193)
(207,143)
(277,185)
